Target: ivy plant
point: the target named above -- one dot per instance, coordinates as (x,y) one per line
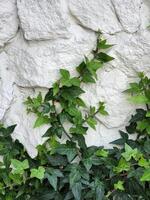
(72,170)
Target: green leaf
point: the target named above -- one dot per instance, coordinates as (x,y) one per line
(65,73)
(130,153)
(52,179)
(119,186)
(75,82)
(103,44)
(76,190)
(70,93)
(104,57)
(99,189)
(45,108)
(123,165)
(91,122)
(139,99)
(68,150)
(146,175)
(148,114)
(75,175)
(102,109)
(102,153)
(55,88)
(93,66)
(38,173)
(41,121)
(88,163)
(80,102)
(144,124)
(78,130)
(18,167)
(143,163)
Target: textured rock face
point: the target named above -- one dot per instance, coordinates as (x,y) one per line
(58,34)
(6,84)
(8,20)
(43,19)
(96,15)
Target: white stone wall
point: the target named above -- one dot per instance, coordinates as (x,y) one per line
(38,37)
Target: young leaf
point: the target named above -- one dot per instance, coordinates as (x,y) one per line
(38,173)
(41,121)
(91,122)
(146,175)
(119,186)
(18,167)
(102,153)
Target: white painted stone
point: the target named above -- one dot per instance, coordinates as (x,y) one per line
(30,137)
(131,52)
(128,13)
(145,14)
(43,19)
(8,20)
(109,88)
(38,63)
(53,37)
(6,84)
(96,15)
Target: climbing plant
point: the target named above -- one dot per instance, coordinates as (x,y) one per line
(71,170)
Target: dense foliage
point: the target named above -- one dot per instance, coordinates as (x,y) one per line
(71,170)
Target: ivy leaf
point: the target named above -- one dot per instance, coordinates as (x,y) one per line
(18,167)
(130,153)
(65,73)
(104,57)
(41,121)
(139,99)
(144,124)
(75,175)
(148,114)
(102,153)
(91,122)
(88,163)
(80,102)
(52,179)
(123,165)
(45,108)
(75,82)
(93,66)
(85,73)
(38,173)
(146,175)
(102,109)
(119,186)
(99,189)
(70,93)
(76,190)
(103,44)
(49,95)
(68,150)
(143,163)
(55,88)
(79,130)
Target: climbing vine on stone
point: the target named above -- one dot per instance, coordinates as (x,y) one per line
(71,170)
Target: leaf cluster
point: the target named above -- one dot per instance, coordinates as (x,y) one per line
(72,170)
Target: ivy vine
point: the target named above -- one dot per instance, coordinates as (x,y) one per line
(71,170)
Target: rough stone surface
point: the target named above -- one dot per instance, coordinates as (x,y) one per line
(24,131)
(6,84)
(96,15)
(43,19)
(128,13)
(58,34)
(8,20)
(37,63)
